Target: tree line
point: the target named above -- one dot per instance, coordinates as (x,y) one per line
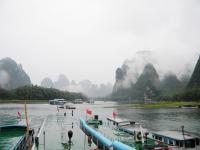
(35,92)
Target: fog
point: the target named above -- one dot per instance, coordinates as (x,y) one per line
(90,39)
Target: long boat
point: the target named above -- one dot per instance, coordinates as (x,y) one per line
(57,102)
(112,135)
(178,140)
(131,134)
(100,140)
(15,137)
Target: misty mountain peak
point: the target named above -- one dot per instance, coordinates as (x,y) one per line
(195,79)
(119,74)
(47,82)
(149,79)
(12,74)
(62,82)
(150,70)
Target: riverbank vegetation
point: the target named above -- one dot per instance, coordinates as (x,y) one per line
(159,105)
(38,93)
(14,101)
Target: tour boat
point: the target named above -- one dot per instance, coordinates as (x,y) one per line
(57,102)
(177,140)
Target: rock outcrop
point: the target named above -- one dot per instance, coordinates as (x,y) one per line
(147,84)
(195,79)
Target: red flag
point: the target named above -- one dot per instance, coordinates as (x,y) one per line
(114,114)
(89,112)
(19,115)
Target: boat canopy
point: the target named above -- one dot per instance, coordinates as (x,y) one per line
(96,134)
(176,135)
(120,121)
(116,144)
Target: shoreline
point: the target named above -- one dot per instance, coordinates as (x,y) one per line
(170,104)
(159,105)
(22,101)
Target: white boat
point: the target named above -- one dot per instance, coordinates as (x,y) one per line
(90,101)
(57,102)
(78,101)
(177,140)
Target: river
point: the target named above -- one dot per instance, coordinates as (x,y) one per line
(158,119)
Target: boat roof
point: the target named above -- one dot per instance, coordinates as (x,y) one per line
(177,135)
(58,100)
(133,128)
(119,120)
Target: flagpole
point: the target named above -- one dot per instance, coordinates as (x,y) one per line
(27,129)
(26,116)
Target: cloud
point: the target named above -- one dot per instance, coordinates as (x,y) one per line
(89,39)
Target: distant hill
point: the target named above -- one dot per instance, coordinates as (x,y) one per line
(62,82)
(12,75)
(47,82)
(119,80)
(85,86)
(195,78)
(171,85)
(147,84)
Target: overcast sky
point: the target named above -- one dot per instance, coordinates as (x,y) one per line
(90,39)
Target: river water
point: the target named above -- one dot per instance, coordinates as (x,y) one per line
(158,119)
(165,118)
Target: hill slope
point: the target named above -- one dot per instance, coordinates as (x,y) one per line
(195,79)
(12,75)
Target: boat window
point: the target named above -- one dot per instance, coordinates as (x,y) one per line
(171,142)
(165,140)
(197,141)
(156,137)
(160,138)
(190,143)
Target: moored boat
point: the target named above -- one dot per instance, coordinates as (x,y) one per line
(133,137)
(68,106)
(177,140)
(16,137)
(57,102)
(78,101)
(100,140)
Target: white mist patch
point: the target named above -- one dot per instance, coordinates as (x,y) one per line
(74,88)
(135,66)
(4,78)
(164,63)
